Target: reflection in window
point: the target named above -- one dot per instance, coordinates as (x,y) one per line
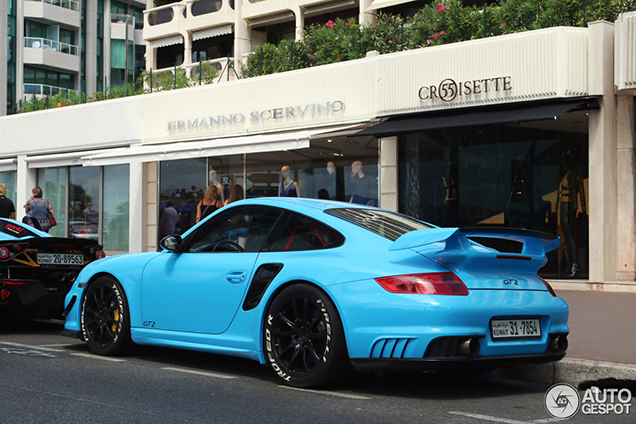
(8,178)
(84,202)
(498,176)
(183,182)
(116,208)
(52,181)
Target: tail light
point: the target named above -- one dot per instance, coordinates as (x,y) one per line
(100,254)
(9,251)
(549,287)
(445,283)
(4,253)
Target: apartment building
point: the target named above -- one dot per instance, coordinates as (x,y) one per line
(67,46)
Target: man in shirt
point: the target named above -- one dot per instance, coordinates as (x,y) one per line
(7,209)
(168,220)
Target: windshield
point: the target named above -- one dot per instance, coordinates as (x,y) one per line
(389,225)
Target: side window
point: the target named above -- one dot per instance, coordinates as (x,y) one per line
(238,229)
(302,233)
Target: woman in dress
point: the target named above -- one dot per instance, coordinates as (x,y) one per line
(209,204)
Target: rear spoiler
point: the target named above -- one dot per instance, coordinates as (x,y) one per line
(535,243)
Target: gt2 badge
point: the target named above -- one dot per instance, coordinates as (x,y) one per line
(511,282)
(150,324)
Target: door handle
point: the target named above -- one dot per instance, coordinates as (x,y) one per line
(236,277)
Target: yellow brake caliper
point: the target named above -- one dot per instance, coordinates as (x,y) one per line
(116,319)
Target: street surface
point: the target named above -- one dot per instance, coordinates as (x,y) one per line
(47,378)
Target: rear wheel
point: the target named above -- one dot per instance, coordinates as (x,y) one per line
(105,319)
(303,338)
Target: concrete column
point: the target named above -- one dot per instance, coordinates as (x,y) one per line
(187,48)
(242,35)
(151,201)
(26,179)
(136,224)
(4,30)
(602,155)
(366,17)
(626,186)
(389,182)
(90,55)
(299,12)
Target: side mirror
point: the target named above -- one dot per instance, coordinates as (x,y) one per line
(171,243)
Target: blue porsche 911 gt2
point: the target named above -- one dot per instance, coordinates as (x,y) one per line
(314,287)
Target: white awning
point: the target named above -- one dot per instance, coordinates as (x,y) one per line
(61,159)
(8,165)
(212,32)
(216,147)
(380,4)
(168,41)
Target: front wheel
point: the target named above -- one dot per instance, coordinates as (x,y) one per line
(304,339)
(105,320)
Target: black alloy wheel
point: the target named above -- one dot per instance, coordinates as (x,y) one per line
(105,320)
(303,338)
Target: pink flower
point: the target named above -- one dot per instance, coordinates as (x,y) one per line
(421,22)
(429,41)
(339,57)
(329,46)
(312,55)
(435,36)
(502,24)
(442,33)
(330,24)
(348,24)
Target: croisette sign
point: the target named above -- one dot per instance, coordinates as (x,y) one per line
(449,89)
(293,112)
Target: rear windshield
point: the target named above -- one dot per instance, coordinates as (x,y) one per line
(389,225)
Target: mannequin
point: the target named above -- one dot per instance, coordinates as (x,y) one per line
(215,182)
(360,187)
(570,196)
(288,187)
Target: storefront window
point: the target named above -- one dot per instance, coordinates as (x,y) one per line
(84,202)
(8,178)
(52,181)
(225,172)
(502,176)
(116,208)
(183,183)
(338,169)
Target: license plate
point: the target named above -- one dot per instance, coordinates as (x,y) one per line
(60,259)
(515,328)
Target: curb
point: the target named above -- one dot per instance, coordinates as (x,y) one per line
(576,372)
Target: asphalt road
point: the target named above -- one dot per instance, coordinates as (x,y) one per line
(47,378)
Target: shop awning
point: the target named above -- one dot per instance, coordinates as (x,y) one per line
(8,165)
(379,4)
(467,117)
(216,147)
(59,159)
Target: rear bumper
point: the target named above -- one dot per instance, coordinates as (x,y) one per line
(380,364)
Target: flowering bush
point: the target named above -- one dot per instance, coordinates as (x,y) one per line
(332,42)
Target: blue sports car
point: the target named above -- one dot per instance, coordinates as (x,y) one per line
(314,287)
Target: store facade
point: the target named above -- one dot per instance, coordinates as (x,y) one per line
(518,131)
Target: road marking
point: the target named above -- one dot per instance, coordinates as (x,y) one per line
(27,352)
(489,418)
(103,358)
(203,373)
(324,392)
(31,347)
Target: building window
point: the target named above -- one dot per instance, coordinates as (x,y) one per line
(116,209)
(54,183)
(8,178)
(503,176)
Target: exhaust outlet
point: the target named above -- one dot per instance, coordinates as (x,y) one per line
(60,276)
(558,343)
(469,348)
(71,276)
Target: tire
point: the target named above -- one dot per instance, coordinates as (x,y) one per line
(303,338)
(104,318)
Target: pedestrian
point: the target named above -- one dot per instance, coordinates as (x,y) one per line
(40,209)
(235,194)
(168,220)
(209,204)
(7,209)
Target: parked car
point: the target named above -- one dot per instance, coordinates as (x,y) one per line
(314,287)
(37,269)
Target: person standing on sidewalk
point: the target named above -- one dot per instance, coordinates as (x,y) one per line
(7,208)
(39,208)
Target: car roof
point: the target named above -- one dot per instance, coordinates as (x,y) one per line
(297,203)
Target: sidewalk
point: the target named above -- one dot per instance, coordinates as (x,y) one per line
(602,342)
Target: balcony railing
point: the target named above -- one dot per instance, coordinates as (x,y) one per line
(67,4)
(39,90)
(46,44)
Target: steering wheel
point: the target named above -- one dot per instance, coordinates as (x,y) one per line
(230,246)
